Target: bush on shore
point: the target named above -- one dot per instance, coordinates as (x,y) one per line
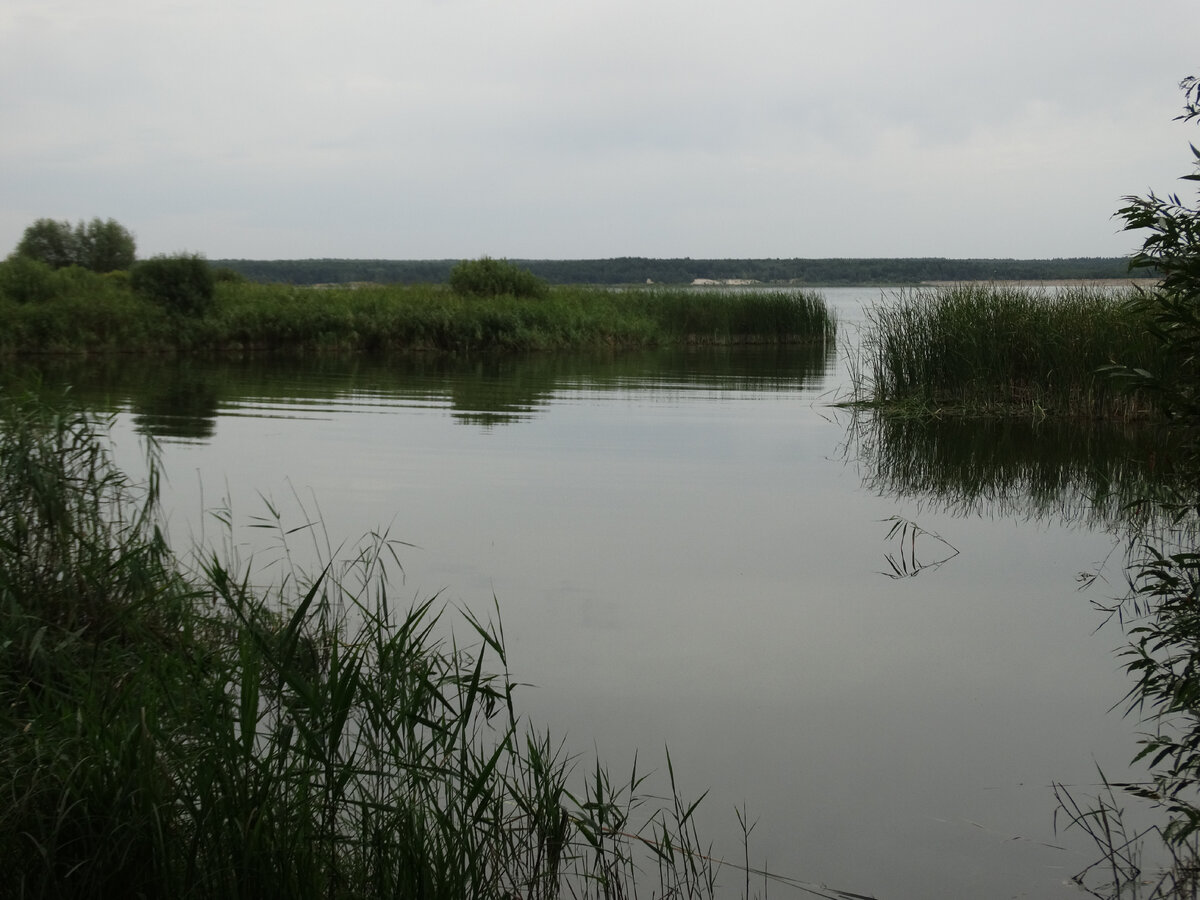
(183,283)
(487,277)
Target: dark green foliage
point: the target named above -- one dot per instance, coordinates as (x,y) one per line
(182,284)
(24,279)
(990,350)
(1172,308)
(224,274)
(88,598)
(101,246)
(753,316)
(95,313)
(1162,609)
(487,277)
(50,242)
(628,270)
(105,246)
(1165,573)
(83,311)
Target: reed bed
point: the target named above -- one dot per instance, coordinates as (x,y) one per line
(91,313)
(992,350)
(746,316)
(171,729)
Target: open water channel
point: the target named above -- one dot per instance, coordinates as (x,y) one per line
(690,549)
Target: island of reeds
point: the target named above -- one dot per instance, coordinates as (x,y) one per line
(182,304)
(1006,350)
(1097,361)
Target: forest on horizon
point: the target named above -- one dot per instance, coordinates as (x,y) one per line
(639,270)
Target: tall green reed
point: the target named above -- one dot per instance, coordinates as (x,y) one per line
(432,318)
(723,316)
(173,728)
(999,350)
(248,316)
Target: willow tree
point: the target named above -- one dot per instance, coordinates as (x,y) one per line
(100,245)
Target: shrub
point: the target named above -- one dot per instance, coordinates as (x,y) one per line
(99,245)
(105,246)
(183,283)
(226,275)
(1163,570)
(1172,248)
(487,277)
(24,279)
(50,242)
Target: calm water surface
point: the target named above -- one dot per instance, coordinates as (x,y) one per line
(688,549)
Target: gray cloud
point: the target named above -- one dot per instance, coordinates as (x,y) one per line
(568,129)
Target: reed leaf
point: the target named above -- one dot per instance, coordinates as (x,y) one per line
(1006,351)
(171,730)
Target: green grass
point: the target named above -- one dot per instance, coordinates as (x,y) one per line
(169,729)
(92,313)
(988,350)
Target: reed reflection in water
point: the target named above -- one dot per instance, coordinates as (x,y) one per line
(683,556)
(1082,472)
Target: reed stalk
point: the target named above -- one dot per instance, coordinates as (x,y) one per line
(88,313)
(171,728)
(1003,351)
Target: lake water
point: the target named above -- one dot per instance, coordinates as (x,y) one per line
(689,549)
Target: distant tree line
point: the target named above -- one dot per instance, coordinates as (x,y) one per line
(637,270)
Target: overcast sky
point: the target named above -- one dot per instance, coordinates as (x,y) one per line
(409,129)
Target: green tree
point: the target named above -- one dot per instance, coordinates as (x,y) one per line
(26,280)
(105,246)
(183,283)
(1172,249)
(51,242)
(487,277)
(1164,654)
(99,245)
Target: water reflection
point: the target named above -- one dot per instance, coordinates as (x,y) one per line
(1090,474)
(1100,476)
(679,555)
(906,560)
(181,403)
(182,399)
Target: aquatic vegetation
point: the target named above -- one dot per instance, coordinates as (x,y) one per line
(103,316)
(978,349)
(1163,566)
(183,284)
(740,316)
(487,277)
(173,728)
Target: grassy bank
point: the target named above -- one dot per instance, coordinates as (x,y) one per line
(995,350)
(79,311)
(171,730)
